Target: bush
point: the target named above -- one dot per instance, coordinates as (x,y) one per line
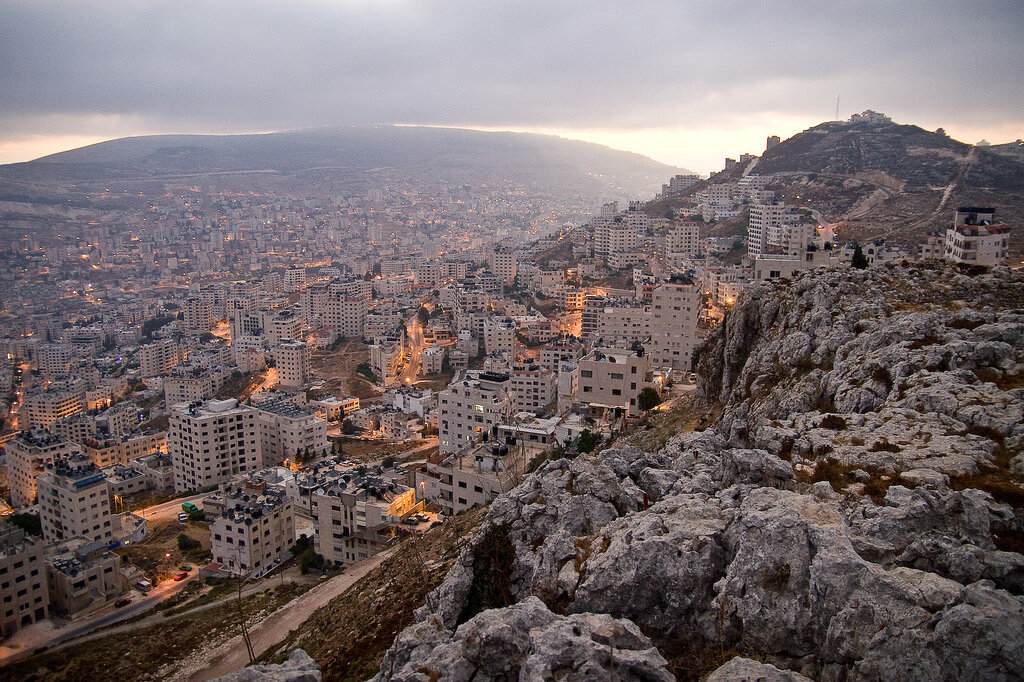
(186,543)
(301,545)
(29,523)
(834,422)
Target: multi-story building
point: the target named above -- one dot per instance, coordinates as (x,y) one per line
(469,408)
(432,360)
(386,356)
(40,410)
(553,354)
(107,450)
(27,456)
(254,531)
(612,378)
(499,335)
(533,387)
(54,359)
(74,501)
(24,599)
(287,430)
(198,314)
(681,242)
(211,442)
(291,360)
(503,264)
(975,238)
(462,482)
(158,470)
(616,320)
(675,309)
(354,518)
(83,578)
(346,315)
(777,228)
(615,236)
(188,384)
(160,357)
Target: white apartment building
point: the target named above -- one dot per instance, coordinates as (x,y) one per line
(198,314)
(386,357)
(462,482)
(54,359)
(160,357)
(346,315)
(82,577)
(499,335)
(211,442)
(28,453)
(24,599)
(975,238)
(254,531)
(188,384)
(533,387)
(40,410)
(612,378)
(74,501)
(675,309)
(106,450)
(615,236)
(295,278)
(356,518)
(469,408)
(432,360)
(503,264)
(291,360)
(287,430)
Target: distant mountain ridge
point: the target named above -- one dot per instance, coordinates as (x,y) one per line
(449,153)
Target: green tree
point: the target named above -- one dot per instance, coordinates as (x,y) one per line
(423,315)
(648,399)
(348,428)
(29,523)
(588,440)
(309,560)
(859,260)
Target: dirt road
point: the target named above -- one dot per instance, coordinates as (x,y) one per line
(231,655)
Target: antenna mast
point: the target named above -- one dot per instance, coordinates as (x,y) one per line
(837,107)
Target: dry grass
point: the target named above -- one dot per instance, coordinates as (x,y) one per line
(143,652)
(349,635)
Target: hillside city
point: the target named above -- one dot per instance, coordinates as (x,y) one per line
(206,387)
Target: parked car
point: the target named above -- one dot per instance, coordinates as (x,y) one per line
(181,576)
(123,601)
(185,567)
(182,517)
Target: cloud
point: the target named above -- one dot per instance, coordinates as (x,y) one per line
(232,66)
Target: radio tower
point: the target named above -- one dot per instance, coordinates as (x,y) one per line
(837,107)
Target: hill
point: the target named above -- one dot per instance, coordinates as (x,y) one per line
(325,157)
(855,513)
(888,180)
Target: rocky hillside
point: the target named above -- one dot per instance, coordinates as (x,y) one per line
(854,514)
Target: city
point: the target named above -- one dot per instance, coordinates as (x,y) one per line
(417,401)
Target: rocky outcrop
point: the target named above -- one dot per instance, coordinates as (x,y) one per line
(299,667)
(775,533)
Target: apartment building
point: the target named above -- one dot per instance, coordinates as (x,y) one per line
(356,517)
(211,442)
(54,359)
(675,309)
(346,315)
(616,320)
(612,378)
(975,237)
(499,335)
(28,453)
(532,387)
(463,481)
(386,356)
(24,599)
(291,360)
(41,410)
(553,354)
(198,314)
(614,236)
(503,263)
(105,451)
(160,357)
(254,531)
(777,228)
(469,408)
(432,360)
(83,578)
(188,384)
(74,501)
(287,430)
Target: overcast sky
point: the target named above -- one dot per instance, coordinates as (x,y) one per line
(686,83)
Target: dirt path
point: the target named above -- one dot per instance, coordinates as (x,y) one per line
(231,655)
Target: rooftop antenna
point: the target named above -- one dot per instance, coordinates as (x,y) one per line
(837,107)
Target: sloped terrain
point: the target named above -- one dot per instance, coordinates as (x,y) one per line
(855,514)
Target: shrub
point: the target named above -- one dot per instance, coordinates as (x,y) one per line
(834,422)
(186,543)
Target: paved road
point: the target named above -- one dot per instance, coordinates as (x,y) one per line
(412,367)
(232,655)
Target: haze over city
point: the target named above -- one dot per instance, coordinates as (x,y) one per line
(682,82)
